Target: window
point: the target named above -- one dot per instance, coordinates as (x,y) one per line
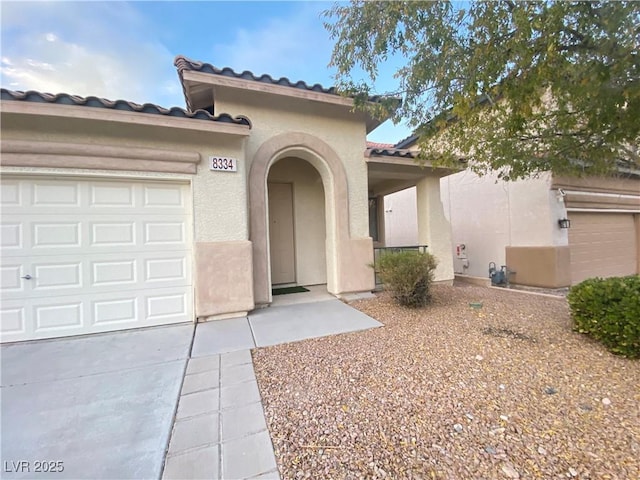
(373,218)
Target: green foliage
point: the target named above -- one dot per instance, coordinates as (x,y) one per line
(408,275)
(609,310)
(560,79)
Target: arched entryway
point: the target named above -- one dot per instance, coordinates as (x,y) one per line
(307,152)
(297,224)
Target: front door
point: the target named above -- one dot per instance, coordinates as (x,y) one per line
(283,266)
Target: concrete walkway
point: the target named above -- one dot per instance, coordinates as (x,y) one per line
(220,430)
(281,324)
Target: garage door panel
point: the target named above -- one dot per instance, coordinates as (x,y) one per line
(57,234)
(112,233)
(33,235)
(57,316)
(602,244)
(113,272)
(60,314)
(51,195)
(166,306)
(11,235)
(121,259)
(59,276)
(111,195)
(10,280)
(115,311)
(10,194)
(66,275)
(46,197)
(164,232)
(13,316)
(163,196)
(164,270)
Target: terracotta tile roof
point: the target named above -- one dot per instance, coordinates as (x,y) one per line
(407,142)
(95,102)
(379,145)
(183,64)
(389,152)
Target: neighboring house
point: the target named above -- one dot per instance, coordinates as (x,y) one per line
(117,215)
(517,224)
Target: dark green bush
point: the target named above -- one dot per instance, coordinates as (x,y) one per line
(408,275)
(609,310)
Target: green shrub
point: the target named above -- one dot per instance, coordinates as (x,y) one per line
(609,310)
(408,275)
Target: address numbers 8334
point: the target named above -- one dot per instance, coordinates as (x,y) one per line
(223,164)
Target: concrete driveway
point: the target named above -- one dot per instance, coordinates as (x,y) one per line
(100,406)
(103,406)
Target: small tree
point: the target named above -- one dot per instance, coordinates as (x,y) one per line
(522,87)
(408,276)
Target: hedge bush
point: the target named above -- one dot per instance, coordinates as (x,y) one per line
(408,275)
(609,311)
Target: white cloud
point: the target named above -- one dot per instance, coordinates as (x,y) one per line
(295,46)
(101,49)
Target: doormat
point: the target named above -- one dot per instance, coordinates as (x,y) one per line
(286,290)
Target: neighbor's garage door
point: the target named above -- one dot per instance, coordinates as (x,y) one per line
(102,256)
(602,245)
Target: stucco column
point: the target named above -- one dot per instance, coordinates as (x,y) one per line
(636,219)
(433,228)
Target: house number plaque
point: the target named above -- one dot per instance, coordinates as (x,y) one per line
(223,164)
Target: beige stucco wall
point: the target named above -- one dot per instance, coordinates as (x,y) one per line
(330,137)
(224,278)
(401,218)
(487,214)
(547,267)
(334,125)
(218,200)
(309,218)
(434,229)
(348,258)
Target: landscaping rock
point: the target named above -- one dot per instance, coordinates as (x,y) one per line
(390,396)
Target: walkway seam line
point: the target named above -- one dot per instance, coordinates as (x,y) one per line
(220,459)
(253,337)
(175,408)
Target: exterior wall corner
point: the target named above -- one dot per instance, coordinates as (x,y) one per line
(224,278)
(434,229)
(356,273)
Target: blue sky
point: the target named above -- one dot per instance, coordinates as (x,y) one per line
(125,50)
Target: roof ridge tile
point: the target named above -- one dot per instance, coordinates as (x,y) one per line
(92,101)
(183,63)
(390,152)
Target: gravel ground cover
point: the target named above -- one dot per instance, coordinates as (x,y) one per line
(451,391)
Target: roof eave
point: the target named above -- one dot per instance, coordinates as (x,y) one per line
(191,78)
(120,116)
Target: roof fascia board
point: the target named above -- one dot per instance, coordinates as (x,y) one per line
(133,118)
(388,160)
(425,165)
(252,85)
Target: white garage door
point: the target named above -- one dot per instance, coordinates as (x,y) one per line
(86,256)
(602,245)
